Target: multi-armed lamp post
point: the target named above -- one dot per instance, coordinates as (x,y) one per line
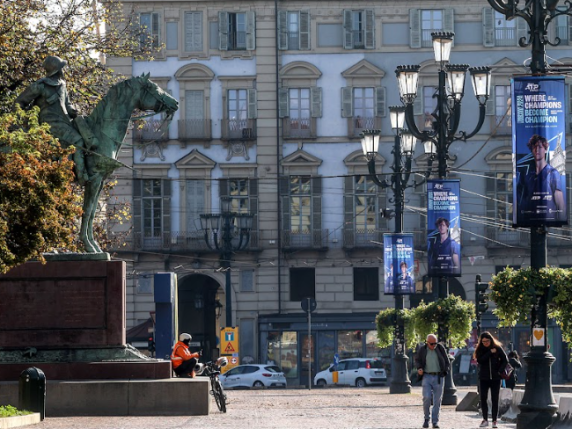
(446,119)
(226,232)
(538,406)
(403,147)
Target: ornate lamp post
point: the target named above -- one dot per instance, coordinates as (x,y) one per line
(538,406)
(402,152)
(446,119)
(226,232)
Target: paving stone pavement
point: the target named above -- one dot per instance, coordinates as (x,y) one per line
(335,408)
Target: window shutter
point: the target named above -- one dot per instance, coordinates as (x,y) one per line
(252,105)
(369,29)
(349,230)
(250,31)
(284,183)
(521,30)
(317,206)
(569,92)
(569,29)
(449,19)
(488,27)
(380,97)
(253,202)
(223,188)
(491,215)
(316,99)
(418,102)
(347,102)
(156,29)
(283,103)
(166,184)
(348,34)
(490,104)
(282,29)
(223,31)
(304,38)
(195,193)
(137,192)
(414,28)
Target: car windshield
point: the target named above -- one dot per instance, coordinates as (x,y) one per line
(272,368)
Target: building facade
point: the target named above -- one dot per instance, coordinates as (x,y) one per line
(273,97)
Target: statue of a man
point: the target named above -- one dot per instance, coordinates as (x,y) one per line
(51,95)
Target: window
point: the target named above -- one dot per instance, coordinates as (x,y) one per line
(194,124)
(366,284)
(429,106)
(503,119)
(359,29)
(299,107)
(236,31)
(152,211)
(238,193)
(366,207)
(195,204)
(152,208)
(364,106)
(504,30)
(293,30)
(423,22)
(243,195)
(247,280)
(172,36)
(300,204)
(497,31)
(241,110)
(350,344)
(302,283)
(237,108)
(193,31)
(150,36)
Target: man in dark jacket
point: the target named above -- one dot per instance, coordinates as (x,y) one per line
(432,366)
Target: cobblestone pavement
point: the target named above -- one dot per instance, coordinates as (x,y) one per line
(335,408)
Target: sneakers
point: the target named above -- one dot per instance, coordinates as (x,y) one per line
(435,425)
(484,424)
(495,424)
(426,424)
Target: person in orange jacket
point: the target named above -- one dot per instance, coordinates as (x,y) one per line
(182,359)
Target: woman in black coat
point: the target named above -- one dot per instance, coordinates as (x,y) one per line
(514,361)
(491,359)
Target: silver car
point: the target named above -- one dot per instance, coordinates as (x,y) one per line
(358,372)
(253,375)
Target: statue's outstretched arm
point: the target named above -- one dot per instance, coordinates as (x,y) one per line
(29,95)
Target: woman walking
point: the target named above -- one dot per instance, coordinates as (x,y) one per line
(491,359)
(514,361)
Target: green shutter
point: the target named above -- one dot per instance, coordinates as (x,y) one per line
(418,102)
(317,209)
(283,103)
(253,202)
(282,29)
(284,184)
(252,104)
(137,193)
(449,20)
(414,28)
(223,31)
(380,104)
(488,27)
(316,100)
(304,39)
(347,102)
(348,34)
(521,30)
(349,229)
(250,31)
(490,104)
(369,29)
(166,221)
(223,188)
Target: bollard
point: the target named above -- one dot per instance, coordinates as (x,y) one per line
(32,391)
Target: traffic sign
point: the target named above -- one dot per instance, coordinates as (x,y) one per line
(308,304)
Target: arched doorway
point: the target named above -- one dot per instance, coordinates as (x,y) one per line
(198,313)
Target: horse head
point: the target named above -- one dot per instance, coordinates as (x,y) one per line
(154,98)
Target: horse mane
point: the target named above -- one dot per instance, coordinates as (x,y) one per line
(115,93)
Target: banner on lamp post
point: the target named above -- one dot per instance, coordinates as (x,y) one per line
(539,152)
(443,228)
(398,262)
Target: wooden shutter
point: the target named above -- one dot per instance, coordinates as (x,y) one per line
(347,102)
(284,183)
(369,29)
(316,102)
(349,222)
(223,31)
(137,193)
(521,29)
(252,104)
(166,215)
(449,19)
(317,208)
(223,188)
(195,197)
(488,27)
(490,105)
(283,103)
(193,31)
(194,106)
(304,38)
(418,102)
(380,104)
(414,28)
(250,31)
(569,29)
(253,203)
(348,34)
(282,29)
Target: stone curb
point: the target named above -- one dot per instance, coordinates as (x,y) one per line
(16,421)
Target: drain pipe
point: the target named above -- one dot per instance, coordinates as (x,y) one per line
(279,205)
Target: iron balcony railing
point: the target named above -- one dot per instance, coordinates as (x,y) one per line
(151,130)
(182,241)
(305,239)
(238,129)
(358,123)
(299,128)
(194,129)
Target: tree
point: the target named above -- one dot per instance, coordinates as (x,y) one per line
(32,162)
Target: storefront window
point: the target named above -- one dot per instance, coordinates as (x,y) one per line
(273,350)
(289,354)
(350,344)
(325,349)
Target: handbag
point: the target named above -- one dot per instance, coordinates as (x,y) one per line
(506,372)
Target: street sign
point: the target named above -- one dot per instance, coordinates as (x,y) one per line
(308,304)
(229,347)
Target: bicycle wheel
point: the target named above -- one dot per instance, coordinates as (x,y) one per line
(218,393)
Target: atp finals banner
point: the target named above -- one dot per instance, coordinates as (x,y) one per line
(398,260)
(539,152)
(443,228)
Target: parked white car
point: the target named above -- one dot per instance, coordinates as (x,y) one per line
(358,372)
(253,376)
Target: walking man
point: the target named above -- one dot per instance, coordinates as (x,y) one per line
(432,365)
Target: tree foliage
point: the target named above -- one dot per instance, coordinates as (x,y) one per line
(32,164)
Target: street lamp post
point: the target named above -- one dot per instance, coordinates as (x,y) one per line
(538,406)
(226,232)
(446,119)
(402,152)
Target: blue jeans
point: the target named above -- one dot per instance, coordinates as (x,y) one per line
(433,386)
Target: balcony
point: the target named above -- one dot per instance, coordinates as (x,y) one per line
(306,239)
(238,129)
(357,124)
(194,129)
(364,239)
(294,128)
(505,36)
(183,241)
(150,130)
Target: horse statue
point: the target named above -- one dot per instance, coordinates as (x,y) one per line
(108,123)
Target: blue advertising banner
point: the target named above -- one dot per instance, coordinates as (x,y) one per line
(539,152)
(444,228)
(398,261)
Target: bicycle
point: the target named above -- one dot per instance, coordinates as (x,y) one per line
(212,370)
